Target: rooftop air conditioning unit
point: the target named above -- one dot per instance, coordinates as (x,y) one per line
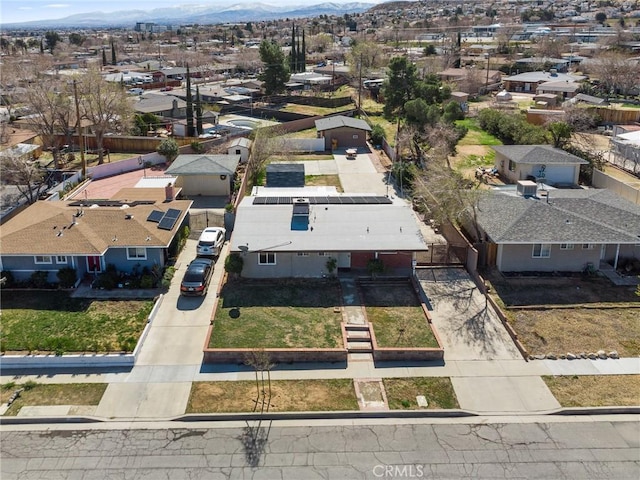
(526,188)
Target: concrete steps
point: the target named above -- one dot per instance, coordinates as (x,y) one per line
(358,338)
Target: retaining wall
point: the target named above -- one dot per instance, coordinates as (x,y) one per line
(52,361)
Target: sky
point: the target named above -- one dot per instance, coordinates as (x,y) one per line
(27,10)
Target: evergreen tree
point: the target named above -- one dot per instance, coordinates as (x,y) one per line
(41,46)
(199,128)
(113,54)
(302,54)
(190,130)
(293,59)
(104,58)
(276,71)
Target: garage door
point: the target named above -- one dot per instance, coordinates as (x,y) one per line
(560,174)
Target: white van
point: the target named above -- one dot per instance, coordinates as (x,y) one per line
(136,91)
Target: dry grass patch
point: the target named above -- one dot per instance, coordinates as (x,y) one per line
(402,393)
(570,314)
(278,314)
(323,181)
(595,390)
(37,394)
(577,330)
(397,317)
(286,396)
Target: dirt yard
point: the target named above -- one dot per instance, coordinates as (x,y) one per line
(571,314)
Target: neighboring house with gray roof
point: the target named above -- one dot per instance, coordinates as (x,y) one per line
(529,81)
(563,90)
(293,232)
(540,163)
(558,230)
(341,131)
(87,235)
(161,105)
(205,174)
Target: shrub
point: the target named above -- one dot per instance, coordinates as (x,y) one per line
(197,147)
(233,264)
(147,281)
(169,149)
(168,276)
(375,267)
(377,134)
(67,277)
(39,279)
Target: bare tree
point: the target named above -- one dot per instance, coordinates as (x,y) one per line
(25,174)
(105,105)
(266,143)
(45,102)
(261,362)
(616,72)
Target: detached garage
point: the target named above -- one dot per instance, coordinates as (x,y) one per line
(342,132)
(210,175)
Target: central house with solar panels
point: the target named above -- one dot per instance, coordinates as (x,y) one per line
(294,232)
(132,230)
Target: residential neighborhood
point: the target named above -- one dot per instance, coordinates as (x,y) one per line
(398,212)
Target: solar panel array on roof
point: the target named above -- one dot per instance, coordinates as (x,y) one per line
(155,216)
(333,200)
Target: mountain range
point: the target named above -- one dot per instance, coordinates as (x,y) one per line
(200,14)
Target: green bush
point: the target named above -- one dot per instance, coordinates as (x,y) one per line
(233,264)
(375,267)
(147,281)
(377,134)
(197,147)
(168,276)
(67,277)
(169,149)
(39,279)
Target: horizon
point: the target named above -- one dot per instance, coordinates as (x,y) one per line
(19,11)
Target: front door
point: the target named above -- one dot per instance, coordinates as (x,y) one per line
(603,251)
(344,260)
(93,265)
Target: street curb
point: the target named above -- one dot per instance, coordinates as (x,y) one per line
(350,415)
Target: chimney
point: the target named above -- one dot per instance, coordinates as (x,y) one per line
(169,192)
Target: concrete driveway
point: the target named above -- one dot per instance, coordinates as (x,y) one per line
(469,328)
(160,382)
(471,332)
(359,175)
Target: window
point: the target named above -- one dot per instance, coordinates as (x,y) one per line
(512,166)
(303,254)
(566,246)
(136,253)
(61,259)
(588,246)
(323,254)
(355,137)
(238,152)
(541,250)
(42,259)
(267,258)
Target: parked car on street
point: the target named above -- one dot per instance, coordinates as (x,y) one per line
(211,241)
(197,277)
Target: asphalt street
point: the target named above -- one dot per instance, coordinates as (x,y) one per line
(543,448)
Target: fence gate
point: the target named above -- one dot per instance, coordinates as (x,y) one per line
(201,220)
(443,254)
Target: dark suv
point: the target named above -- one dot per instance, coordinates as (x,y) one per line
(197,277)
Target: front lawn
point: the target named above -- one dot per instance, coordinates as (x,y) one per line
(402,392)
(286,396)
(55,322)
(595,390)
(38,394)
(278,314)
(397,317)
(570,314)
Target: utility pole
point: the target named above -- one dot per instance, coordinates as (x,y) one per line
(79,128)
